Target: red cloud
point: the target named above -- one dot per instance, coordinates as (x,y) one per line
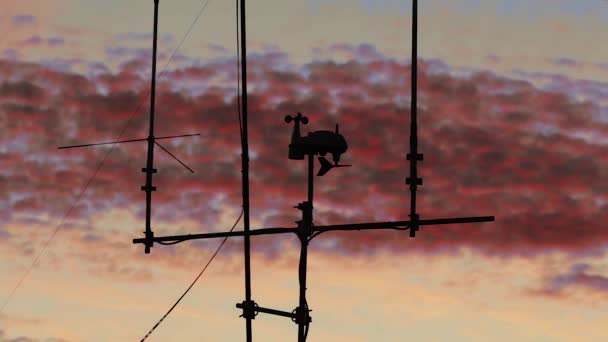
(492,145)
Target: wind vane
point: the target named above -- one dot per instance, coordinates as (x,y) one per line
(149,170)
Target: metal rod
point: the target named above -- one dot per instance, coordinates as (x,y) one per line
(311,161)
(127,141)
(102,143)
(413,155)
(245,167)
(303,307)
(149,170)
(401,224)
(263,231)
(305,231)
(153,86)
(326,228)
(269,311)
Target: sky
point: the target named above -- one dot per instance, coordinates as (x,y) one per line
(513,122)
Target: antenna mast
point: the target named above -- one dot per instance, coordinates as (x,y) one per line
(413,181)
(149,169)
(248,305)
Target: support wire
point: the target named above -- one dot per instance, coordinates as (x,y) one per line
(79,196)
(194,282)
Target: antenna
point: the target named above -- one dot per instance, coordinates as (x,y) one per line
(149,170)
(317,143)
(413,180)
(248,305)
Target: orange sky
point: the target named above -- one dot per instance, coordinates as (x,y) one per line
(514,123)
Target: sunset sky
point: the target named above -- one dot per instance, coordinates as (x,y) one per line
(513,122)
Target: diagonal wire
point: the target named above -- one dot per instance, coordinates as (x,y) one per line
(129,121)
(78,197)
(194,282)
(174,157)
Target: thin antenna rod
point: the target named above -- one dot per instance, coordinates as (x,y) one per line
(149,170)
(127,141)
(413,181)
(245,165)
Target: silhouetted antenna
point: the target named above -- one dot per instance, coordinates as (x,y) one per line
(413,180)
(149,170)
(101,163)
(318,143)
(248,304)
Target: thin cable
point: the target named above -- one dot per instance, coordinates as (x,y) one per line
(194,282)
(129,121)
(48,241)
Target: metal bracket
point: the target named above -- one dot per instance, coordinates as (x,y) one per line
(419,156)
(148,241)
(408,181)
(414,226)
(250,309)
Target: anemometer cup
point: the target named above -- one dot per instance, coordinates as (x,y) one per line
(298,118)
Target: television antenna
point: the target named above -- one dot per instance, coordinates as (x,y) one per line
(152,140)
(315,144)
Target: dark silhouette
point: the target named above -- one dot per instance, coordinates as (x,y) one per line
(149,170)
(317,143)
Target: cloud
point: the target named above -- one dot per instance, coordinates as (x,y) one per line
(4,338)
(580,275)
(38,41)
(23,19)
(144,37)
(487,149)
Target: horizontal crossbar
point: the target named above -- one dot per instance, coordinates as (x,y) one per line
(128,141)
(270,311)
(400,225)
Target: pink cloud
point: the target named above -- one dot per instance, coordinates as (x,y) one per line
(23,19)
(484,151)
(580,276)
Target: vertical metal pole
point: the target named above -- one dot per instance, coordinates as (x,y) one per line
(302,306)
(413,155)
(311,162)
(307,222)
(245,167)
(149,170)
